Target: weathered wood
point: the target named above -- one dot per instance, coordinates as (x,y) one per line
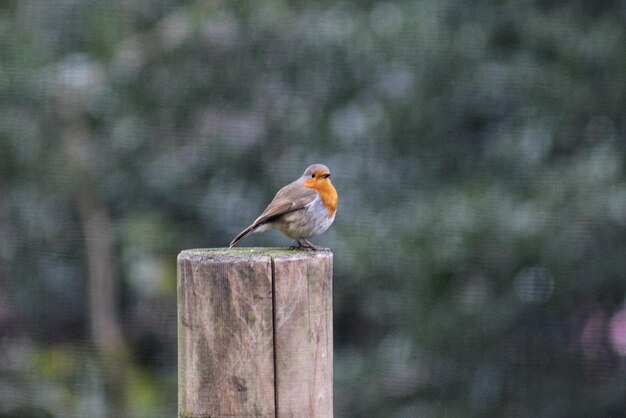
(255,333)
(303,336)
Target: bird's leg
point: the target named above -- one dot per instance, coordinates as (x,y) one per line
(310,246)
(297,247)
(304,245)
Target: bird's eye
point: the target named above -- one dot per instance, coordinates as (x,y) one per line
(312,175)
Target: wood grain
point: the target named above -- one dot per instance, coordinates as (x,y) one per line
(304,335)
(254,333)
(226,355)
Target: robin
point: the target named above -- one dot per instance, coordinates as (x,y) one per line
(299,210)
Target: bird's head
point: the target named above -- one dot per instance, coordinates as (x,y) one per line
(316,174)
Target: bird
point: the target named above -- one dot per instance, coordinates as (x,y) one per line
(300,210)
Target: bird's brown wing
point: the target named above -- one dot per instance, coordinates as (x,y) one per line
(290,198)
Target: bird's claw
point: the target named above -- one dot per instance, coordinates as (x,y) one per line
(304,245)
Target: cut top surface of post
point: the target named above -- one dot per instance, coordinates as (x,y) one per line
(225,254)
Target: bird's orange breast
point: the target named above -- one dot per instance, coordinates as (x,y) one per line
(327,192)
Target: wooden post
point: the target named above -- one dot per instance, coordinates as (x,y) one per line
(255,336)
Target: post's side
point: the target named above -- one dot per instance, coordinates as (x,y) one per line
(303,329)
(255,333)
(225,336)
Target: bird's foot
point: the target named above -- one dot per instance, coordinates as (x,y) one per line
(305,245)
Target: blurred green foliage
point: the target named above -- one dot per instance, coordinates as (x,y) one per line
(478,148)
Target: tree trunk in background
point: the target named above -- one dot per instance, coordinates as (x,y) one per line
(105,328)
(97,226)
(6,310)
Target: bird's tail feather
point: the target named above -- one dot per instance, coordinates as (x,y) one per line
(243,234)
